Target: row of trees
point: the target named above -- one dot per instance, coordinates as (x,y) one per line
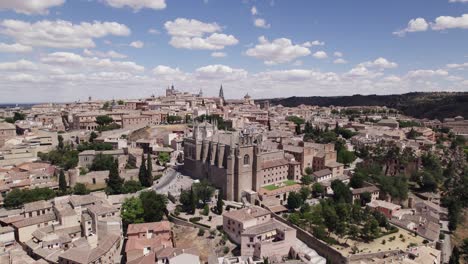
(197,196)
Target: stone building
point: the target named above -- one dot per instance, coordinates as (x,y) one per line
(7,131)
(235,162)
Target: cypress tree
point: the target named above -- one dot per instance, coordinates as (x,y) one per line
(149,172)
(142,172)
(220,203)
(62,182)
(114,183)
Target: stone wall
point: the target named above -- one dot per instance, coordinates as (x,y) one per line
(322,248)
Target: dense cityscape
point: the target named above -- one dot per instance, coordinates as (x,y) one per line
(233,132)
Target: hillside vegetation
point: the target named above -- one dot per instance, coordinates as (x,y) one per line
(420,105)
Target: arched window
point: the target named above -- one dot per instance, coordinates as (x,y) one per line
(246,159)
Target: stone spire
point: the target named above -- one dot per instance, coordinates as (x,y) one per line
(221,92)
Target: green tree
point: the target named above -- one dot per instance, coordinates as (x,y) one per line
(164,158)
(17,197)
(142,174)
(304,192)
(455,257)
(366,198)
(104,120)
(308,171)
(306,179)
(132,211)
(149,171)
(203,191)
(120,102)
(102,162)
(294,200)
(115,182)
(346,157)
(92,136)
(154,206)
(80,189)
(341,192)
(353,232)
(219,202)
(62,182)
(131,186)
(60,145)
(317,189)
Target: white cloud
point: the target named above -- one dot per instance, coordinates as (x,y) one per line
(381,63)
(60,33)
(361,71)
(458,1)
(340,61)
(165,70)
(218,54)
(426,73)
(68,59)
(30,7)
(109,54)
(14,48)
(278,51)
(414,25)
(137,44)
(309,44)
(320,55)
(457,66)
(183,27)
(192,34)
(20,65)
(153,31)
(338,54)
(136,5)
(449,22)
(218,71)
(254,11)
(261,23)
(440,23)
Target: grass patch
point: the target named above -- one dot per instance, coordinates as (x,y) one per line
(272,187)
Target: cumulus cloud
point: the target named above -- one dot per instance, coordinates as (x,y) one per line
(137,44)
(68,59)
(458,1)
(457,66)
(108,54)
(340,61)
(21,65)
(414,25)
(361,71)
(449,22)
(136,5)
(218,71)
(30,7)
(14,48)
(194,34)
(338,54)
(218,54)
(427,73)
(254,11)
(60,33)
(320,55)
(261,23)
(278,51)
(381,63)
(440,23)
(309,44)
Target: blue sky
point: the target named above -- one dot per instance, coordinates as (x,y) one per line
(68,50)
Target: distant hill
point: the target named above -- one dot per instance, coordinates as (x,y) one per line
(420,105)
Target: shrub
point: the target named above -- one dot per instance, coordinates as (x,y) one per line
(201,232)
(195,219)
(206,210)
(226,250)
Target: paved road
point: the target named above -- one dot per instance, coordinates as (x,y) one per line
(446,249)
(167,179)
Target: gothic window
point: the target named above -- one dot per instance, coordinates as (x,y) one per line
(246,159)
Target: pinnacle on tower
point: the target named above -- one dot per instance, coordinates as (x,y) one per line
(221,92)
